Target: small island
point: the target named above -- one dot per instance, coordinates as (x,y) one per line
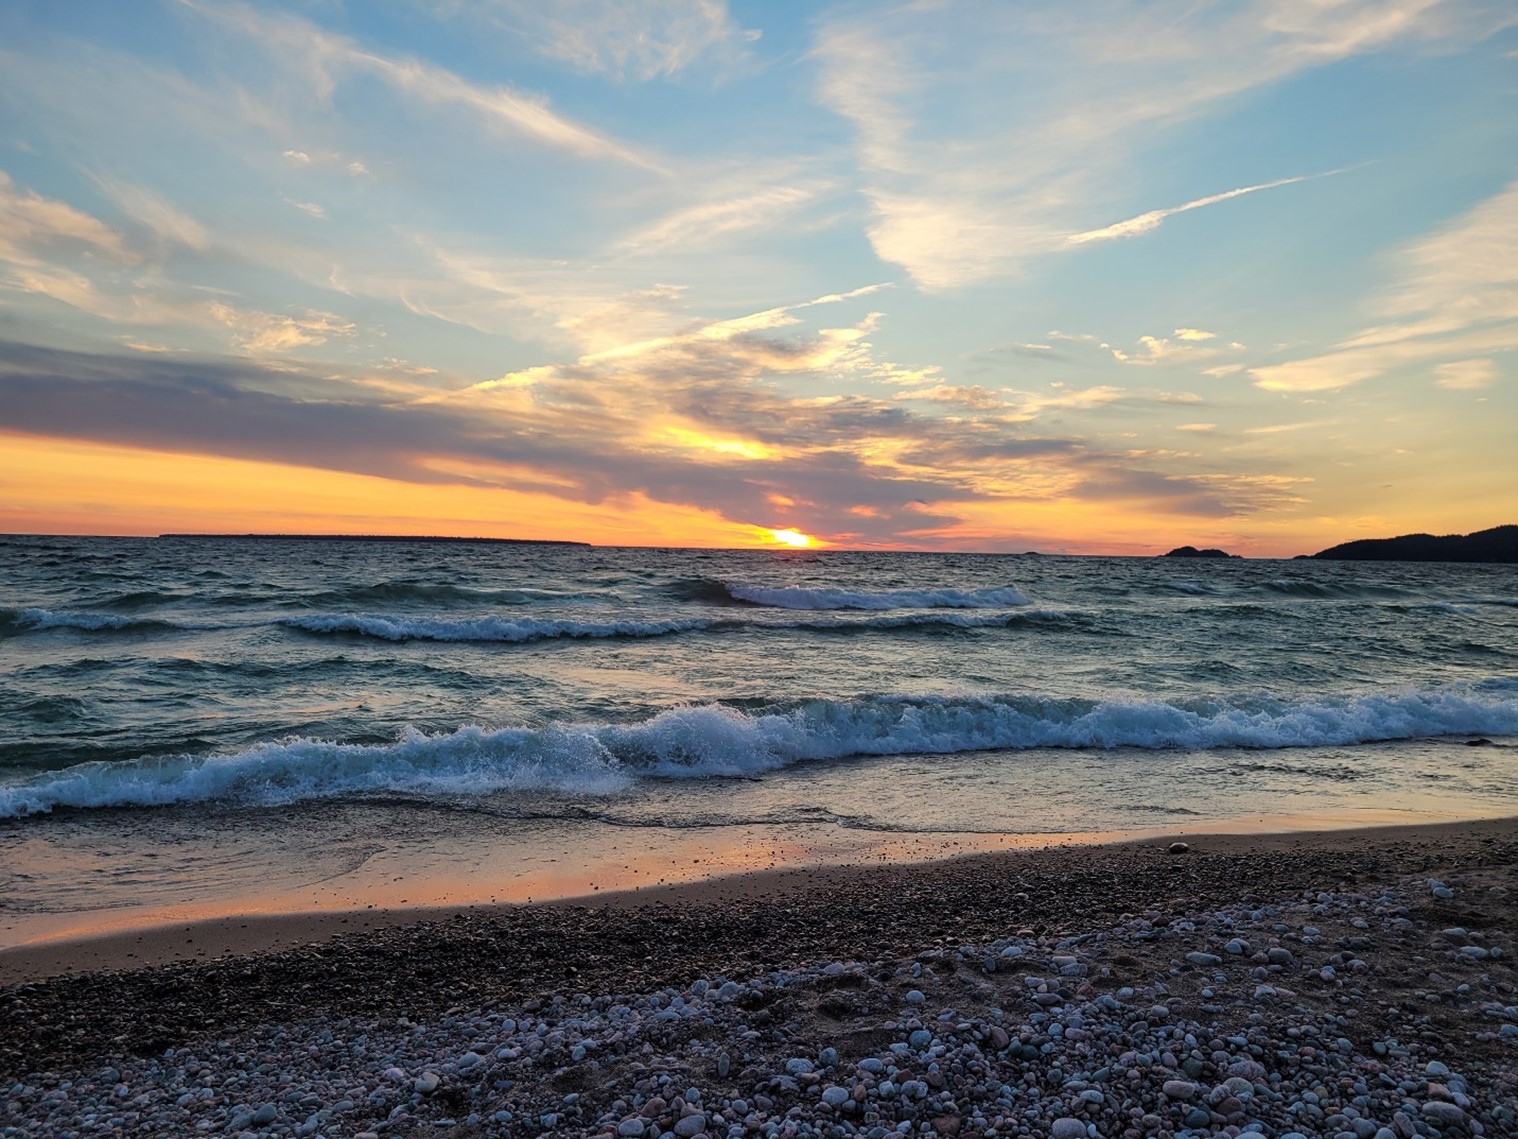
(1499,544)
(1193,552)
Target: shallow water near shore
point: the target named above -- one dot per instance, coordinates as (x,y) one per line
(198,727)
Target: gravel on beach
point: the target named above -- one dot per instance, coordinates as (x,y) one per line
(1353,987)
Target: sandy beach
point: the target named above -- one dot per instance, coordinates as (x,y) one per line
(1388,949)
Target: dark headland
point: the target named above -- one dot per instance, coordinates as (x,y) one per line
(1193,552)
(379,538)
(1499,544)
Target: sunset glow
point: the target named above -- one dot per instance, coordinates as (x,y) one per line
(921,278)
(792,538)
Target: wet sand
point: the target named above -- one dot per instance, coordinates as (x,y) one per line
(145,991)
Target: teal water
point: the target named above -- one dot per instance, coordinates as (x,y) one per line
(337,699)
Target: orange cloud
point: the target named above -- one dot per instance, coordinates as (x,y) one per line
(61,486)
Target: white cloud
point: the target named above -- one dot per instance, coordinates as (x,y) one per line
(1466,375)
(325,58)
(263,333)
(714,221)
(1163,350)
(639,39)
(156,214)
(1151,221)
(1455,297)
(988,134)
(29,221)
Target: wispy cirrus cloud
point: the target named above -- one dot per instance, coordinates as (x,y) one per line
(649,39)
(326,58)
(31,224)
(155,213)
(987,137)
(1455,297)
(718,219)
(1153,219)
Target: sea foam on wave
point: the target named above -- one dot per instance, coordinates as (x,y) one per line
(717,740)
(23,620)
(800,597)
(516,631)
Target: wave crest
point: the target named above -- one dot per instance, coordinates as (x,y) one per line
(14,621)
(512,631)
(800,597)
(521,630)
(719,740)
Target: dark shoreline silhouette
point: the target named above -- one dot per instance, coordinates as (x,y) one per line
(1499,544)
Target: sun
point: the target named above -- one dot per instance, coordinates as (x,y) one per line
(793,538)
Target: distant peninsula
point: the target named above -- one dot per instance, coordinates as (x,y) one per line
(1499,544)
(380,538)
(1193,552)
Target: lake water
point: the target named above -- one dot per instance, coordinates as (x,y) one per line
(218,723)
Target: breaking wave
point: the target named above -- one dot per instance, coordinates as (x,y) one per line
(519,630)
(13,621)
(403,592)
(716,740)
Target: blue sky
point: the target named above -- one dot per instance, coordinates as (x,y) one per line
(1096,276)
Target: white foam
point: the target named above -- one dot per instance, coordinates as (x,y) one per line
(40,619)
(715,740)
(799,597)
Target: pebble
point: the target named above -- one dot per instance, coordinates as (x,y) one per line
(1138,1058)
(1443,1114)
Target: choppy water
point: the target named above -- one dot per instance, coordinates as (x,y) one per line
(672,688)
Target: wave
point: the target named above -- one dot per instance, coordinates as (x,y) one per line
(799,597)
(14,621)
(717,740)
(714,592)
(1333,591)
(511,631)
(401,592)
(519,630)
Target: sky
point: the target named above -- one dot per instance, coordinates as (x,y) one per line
(1107,276)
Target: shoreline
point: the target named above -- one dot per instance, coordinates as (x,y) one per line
(205,941)
(962,996)
(35,946)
